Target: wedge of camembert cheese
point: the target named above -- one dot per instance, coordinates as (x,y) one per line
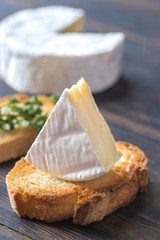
(75,142)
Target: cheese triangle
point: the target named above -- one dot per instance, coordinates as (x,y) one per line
(76,142)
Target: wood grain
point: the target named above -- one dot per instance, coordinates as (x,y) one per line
(7,234)
(132,110)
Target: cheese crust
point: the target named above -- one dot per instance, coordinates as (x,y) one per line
(36,194)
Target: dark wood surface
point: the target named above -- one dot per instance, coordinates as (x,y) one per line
(132,109)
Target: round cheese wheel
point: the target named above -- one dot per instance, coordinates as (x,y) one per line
(39,55)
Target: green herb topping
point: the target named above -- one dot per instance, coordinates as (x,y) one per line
(55,97)
(22,114)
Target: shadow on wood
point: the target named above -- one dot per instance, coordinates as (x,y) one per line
(120,90)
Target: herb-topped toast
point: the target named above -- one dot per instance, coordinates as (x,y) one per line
(21,118)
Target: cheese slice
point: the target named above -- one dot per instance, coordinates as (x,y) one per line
(75,143)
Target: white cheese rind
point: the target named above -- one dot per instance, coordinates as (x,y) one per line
(32,27)
(41,21)
(75,143)
(46,62)
(63,147)
(50,70)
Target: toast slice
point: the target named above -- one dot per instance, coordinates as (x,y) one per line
(36,194)
(17,142)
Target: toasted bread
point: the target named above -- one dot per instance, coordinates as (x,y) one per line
(36,194)
(17,142)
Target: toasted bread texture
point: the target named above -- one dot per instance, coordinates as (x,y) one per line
(36,194)
(17,142)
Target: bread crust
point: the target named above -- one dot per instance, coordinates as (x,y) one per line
(119,196)
(37,194)
(17,142)
(19,96)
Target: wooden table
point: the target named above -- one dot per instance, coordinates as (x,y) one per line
(132,109)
